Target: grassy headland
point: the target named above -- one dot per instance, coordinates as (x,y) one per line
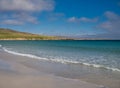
(8,34)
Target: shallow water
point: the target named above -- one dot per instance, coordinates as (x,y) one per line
(100,54)
(93,61)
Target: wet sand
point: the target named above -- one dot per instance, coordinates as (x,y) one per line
(15,74)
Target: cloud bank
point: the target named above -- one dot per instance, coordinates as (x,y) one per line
(26,5)
(19,12)
(12,22)
(19,19)
(112,24)
(109,27)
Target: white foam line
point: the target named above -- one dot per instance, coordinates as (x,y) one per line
(101,66)
(60,60)
(26,55)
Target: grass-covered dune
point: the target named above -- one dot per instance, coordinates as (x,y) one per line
(8,34)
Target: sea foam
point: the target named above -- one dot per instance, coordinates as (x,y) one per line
(64,61)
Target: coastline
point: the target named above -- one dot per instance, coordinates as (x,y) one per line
(32,65)
(17,75)
(19,39)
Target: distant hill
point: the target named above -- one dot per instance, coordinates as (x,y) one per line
(8,34)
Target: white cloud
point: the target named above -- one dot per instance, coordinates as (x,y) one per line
(73,19)
(18,12)
(111,15)
(26,5)
(12,22)
(112,23)
(19,19)
(82,19)
(25,18)
(106,25)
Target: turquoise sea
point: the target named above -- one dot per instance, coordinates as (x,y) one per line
(93,61)
(104,54)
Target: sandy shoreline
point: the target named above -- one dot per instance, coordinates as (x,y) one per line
(13,74)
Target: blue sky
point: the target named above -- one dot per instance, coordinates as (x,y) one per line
(74,18)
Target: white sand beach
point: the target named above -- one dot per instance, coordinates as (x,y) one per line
(13,74)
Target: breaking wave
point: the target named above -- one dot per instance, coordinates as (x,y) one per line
(64,61)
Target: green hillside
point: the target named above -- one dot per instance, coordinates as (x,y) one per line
(8,34)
